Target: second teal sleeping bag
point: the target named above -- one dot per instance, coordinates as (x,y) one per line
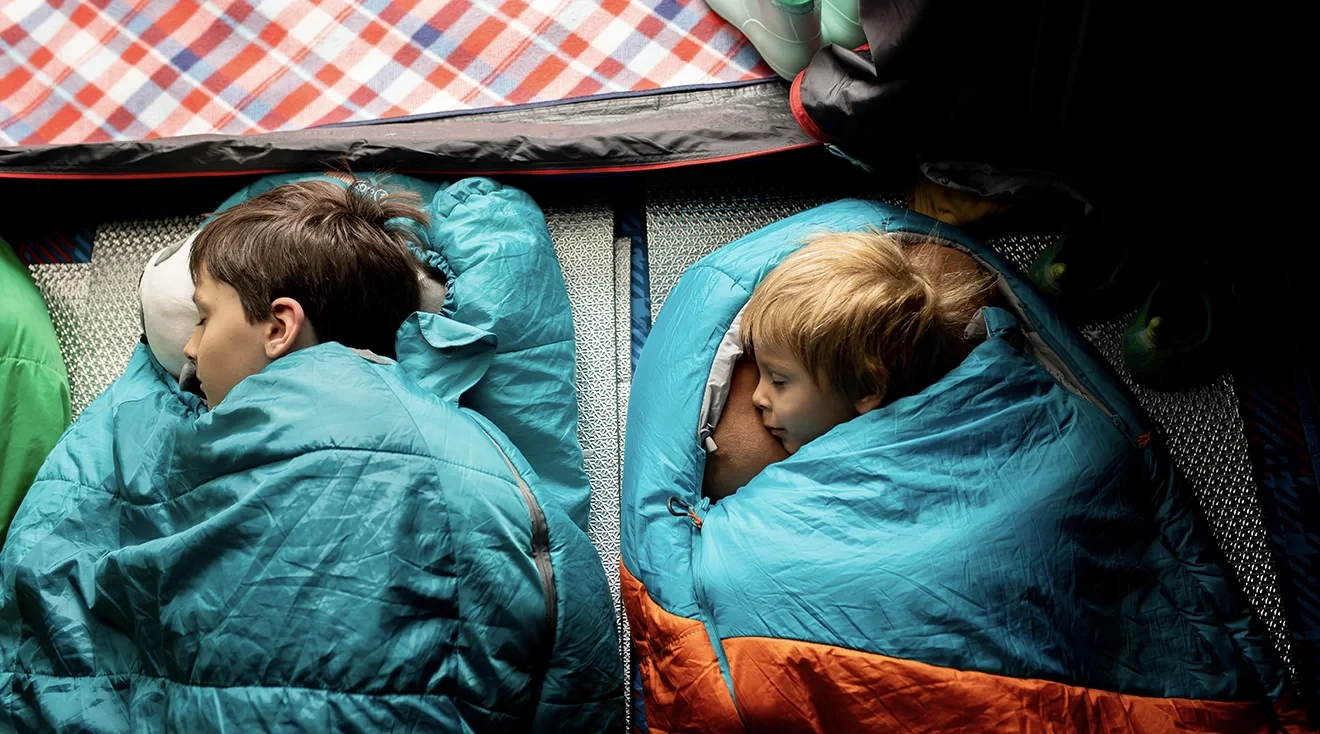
(345,543)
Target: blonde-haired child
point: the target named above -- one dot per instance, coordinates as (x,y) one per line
(847,324)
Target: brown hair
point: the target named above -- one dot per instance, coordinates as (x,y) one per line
(871,316)
(339,252)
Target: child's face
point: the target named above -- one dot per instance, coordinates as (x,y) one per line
(225,347)
(796,408)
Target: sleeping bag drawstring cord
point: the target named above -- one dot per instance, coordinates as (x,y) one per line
(685,511)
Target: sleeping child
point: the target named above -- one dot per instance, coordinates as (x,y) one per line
(847,324)
(337,539)
(301,264)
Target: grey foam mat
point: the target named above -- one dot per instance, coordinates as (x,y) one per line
(95,310)
(598,295)
(683,224)
(1202,427)
(65,288)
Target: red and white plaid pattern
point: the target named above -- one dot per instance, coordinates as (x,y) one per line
(75,72)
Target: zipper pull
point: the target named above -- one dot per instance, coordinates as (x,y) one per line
(836,150)
(706,438)
(679,508)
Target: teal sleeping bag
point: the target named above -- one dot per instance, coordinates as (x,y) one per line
(1008,550)
(346,543)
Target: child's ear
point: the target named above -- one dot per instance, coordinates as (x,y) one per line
(287,329)
(867,404)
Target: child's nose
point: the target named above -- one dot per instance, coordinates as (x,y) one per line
(759,396)
(190,349)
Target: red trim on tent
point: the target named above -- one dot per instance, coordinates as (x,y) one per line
(804,120)
(121,176)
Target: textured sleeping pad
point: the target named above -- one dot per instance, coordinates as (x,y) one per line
(1202,427)
(94,307)
(596,272)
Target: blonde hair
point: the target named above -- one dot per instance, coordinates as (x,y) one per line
(870,315)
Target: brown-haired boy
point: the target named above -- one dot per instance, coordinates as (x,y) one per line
(845,325)
(301,264)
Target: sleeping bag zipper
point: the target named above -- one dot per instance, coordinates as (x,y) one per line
(698,515)
(698,588)
(540,545)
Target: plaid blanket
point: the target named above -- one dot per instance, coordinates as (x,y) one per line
(135,69)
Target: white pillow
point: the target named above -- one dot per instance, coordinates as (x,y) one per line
(168,313)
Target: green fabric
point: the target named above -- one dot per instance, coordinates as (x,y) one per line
(34,385)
